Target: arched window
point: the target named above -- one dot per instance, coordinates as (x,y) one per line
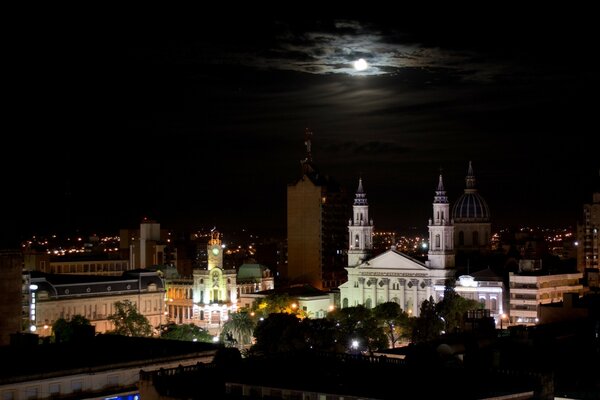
(356,241)
(345,302)
(461,238)
(475,238)
(437,242)
(368,303)
(494,304)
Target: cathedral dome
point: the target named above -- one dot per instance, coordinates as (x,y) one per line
(471,207)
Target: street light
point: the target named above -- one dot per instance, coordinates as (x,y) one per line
(354,345)
(502,317)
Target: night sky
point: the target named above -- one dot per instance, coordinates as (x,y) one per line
(198,120)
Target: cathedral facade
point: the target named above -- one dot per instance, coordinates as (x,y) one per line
(393,275)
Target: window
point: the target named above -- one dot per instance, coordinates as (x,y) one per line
(31,393)
(8,395)
(461,238)
(54,388)
(77,385)
(437,242)
(112,380)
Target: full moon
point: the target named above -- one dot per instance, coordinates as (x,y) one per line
(360,64)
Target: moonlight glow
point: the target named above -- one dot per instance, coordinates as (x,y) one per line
(360,64)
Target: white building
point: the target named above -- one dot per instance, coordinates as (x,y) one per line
(484,286)
(214,289)
(392,275)
(313,302)
(527,292)
(54,296)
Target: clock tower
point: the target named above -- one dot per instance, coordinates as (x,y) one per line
(214,250)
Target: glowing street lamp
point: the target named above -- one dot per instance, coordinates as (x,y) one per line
(354,345)
(502,318)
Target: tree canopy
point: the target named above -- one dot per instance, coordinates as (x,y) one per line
(66,331)
(128,321)
(186,332)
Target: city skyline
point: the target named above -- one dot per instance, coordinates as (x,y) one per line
(203,124)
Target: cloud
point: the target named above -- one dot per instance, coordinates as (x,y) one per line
(331,49)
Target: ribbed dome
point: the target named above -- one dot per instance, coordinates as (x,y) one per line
(471,207)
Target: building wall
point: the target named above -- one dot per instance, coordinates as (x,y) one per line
(97,309)
(527,292)
(409,290)
(108,380)
(483,230)
(11,264)
(304,225)
(588,236)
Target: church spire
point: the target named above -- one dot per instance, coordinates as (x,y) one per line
(441,231)
(440,193)
(470,179)
(360,229)
(307,142)
(361,197)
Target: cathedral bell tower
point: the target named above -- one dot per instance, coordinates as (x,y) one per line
(441,232)
(360,229)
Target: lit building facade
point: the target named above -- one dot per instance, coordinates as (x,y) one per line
(53,296)
(214,291)
(588,236)
(394,276)
(252,278)
(485,287)
(527,292)
(317,211)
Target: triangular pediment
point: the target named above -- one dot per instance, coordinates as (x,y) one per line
(393,260)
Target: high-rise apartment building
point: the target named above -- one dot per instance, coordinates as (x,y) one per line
(588,235)
(317,215)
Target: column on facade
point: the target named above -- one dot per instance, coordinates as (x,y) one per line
(416,308)
(374,291)
(361,284)
(386,283)
(428,286)
(402,282)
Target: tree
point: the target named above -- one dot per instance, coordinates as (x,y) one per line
(186,332)
(321,334)
(428,325)
(453,308)
(278,333)
(274,304)
(240,327)
(357,324)
(394,321)
(128,321)
(67,331)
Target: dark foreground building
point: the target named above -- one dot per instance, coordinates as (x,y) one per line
(100,367)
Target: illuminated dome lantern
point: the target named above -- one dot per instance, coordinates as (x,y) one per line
(471,216)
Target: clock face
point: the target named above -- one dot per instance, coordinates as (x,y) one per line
(215,251)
